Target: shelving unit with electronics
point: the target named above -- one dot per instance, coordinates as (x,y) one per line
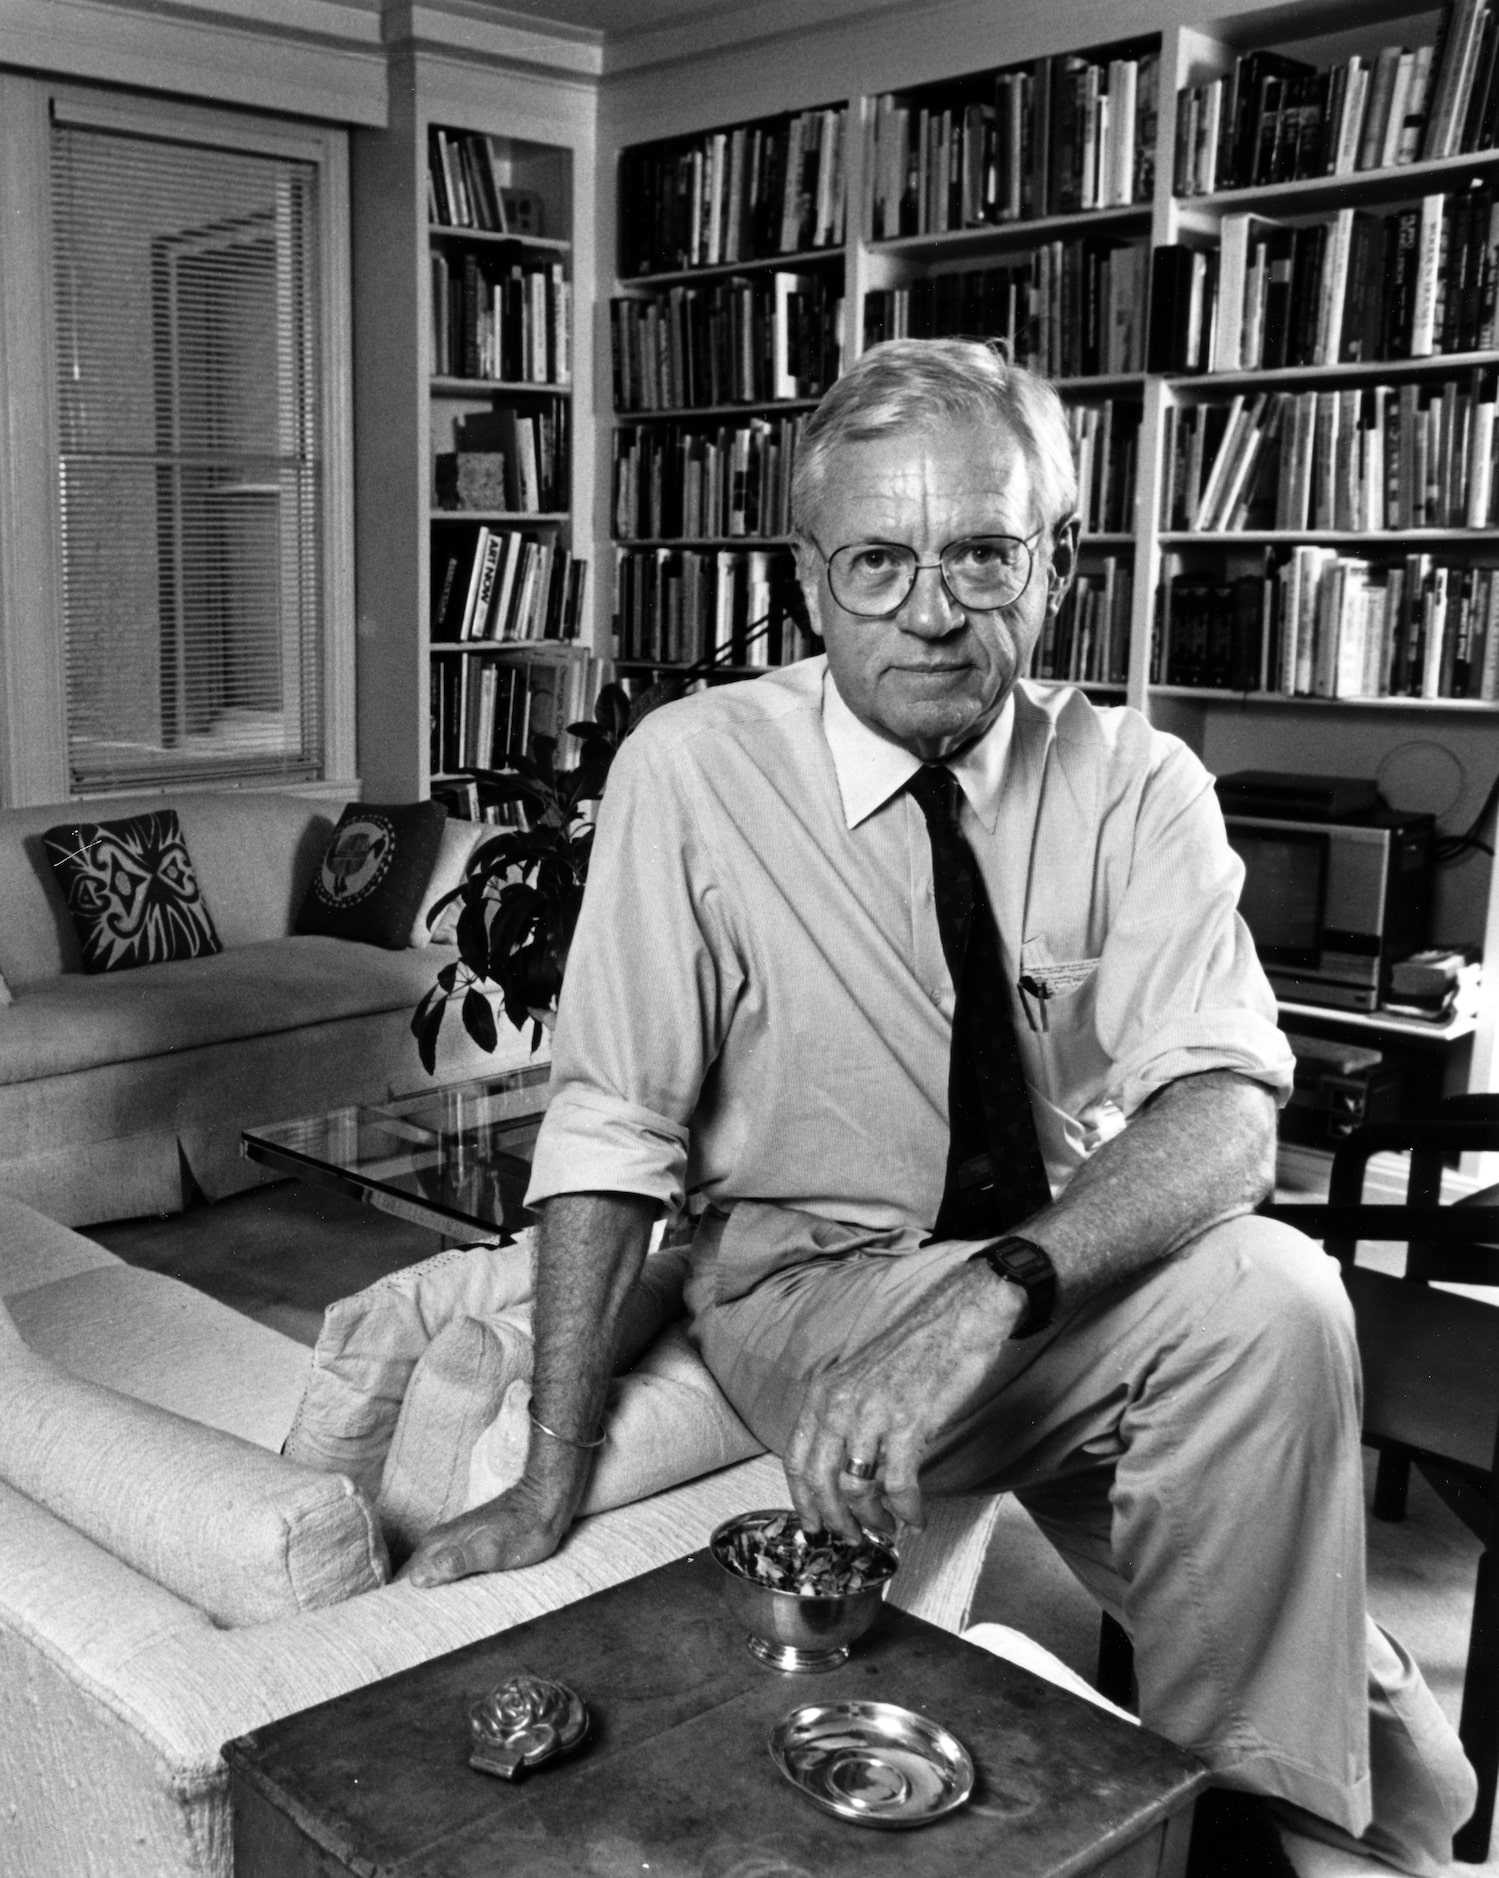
(475,634)
(726,329)
(1322,519)
(1026,199)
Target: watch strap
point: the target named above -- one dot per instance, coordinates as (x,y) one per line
(1020,1262)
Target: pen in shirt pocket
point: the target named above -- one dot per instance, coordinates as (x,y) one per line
(1034,991)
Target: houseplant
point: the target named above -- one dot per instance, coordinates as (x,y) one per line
(518,902)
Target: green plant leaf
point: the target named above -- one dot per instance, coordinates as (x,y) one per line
(426,1022)
(511,929)
(591,774)
(478,1019)
(473,938)
(500,786)
(612,711)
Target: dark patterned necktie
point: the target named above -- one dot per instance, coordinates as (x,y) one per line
(995,1174)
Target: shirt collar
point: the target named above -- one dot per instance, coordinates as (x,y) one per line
(871,770)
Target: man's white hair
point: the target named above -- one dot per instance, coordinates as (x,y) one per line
(925,384)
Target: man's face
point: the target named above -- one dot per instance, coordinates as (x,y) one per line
(934,675)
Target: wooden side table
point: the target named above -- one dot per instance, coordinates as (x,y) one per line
(675,1779)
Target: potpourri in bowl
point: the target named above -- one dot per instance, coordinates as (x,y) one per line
(804,1598)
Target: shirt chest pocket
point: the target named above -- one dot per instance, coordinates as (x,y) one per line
(1056,992)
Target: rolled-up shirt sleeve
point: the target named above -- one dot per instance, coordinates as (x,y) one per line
(651,977)
(1180,988)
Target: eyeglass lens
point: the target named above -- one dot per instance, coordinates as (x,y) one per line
(984,572)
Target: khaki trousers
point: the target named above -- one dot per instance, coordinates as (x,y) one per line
(1190,1445)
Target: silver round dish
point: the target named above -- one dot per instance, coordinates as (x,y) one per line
(874,1763)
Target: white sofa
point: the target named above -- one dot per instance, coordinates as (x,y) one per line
(116,1691)
(124,1093)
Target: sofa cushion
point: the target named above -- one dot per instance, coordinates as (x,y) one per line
(666,1421)
(79,1022)
(131,890)
(374,873)
(370,1344)
(459,839)
(456,1390)
(36,1250)
(152,1337)
(232,1528)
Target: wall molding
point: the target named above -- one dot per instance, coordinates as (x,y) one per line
(501,39)
(321,59)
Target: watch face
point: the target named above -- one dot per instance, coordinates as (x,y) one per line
(1029,1267)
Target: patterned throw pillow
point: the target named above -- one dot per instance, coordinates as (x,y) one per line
(374,873)
(131,891)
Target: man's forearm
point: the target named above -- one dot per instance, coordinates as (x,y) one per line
(590,1251)
(592,1247)
(1200,1151)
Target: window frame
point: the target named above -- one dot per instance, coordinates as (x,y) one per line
(33,688)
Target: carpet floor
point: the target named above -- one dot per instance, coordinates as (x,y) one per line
(282,1253)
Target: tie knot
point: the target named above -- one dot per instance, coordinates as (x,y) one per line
(939,793)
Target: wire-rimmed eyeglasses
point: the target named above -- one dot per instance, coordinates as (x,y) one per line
(873,579)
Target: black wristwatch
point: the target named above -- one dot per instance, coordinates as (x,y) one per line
(1026,1265)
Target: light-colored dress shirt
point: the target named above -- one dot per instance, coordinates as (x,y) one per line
(756,1003)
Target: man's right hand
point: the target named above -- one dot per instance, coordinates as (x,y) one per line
(520,1527)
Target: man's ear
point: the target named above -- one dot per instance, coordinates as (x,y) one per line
(809,579)
(1063,563)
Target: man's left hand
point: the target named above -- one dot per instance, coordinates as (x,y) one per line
(886,1403)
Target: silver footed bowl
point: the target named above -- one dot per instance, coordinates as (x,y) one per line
(800,1629)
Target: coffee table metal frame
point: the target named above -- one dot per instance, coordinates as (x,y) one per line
(455,1157)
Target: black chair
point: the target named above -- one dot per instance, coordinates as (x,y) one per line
(1431,1368)
(1431,1378)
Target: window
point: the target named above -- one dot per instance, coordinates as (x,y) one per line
(192,461)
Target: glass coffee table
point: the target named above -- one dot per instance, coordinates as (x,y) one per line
(454,1158)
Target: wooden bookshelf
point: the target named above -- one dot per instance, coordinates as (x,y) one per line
(474,608)
(727,326)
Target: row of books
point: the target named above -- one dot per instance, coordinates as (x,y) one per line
(1366,458)
(1106,450)
(1062,136)
(730,479)
(1357,286)
(1418,282)
(465,187)
(1087,640)
(1275,118)
(730,606)
(507,459)
(1324,624)
(487,709)
(745,340)
(498,315)
(1070,309)
(727,196)
(504,584)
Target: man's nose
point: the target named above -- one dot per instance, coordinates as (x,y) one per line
(929,608)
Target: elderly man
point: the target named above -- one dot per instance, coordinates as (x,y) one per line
(928,985)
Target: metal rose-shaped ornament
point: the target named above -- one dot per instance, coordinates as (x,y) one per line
(524,1721)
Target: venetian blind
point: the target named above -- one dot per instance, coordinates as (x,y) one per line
(189,401)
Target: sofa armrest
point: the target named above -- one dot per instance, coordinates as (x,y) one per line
(232,1527)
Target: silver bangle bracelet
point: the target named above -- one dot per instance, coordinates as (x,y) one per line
(568,1441)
